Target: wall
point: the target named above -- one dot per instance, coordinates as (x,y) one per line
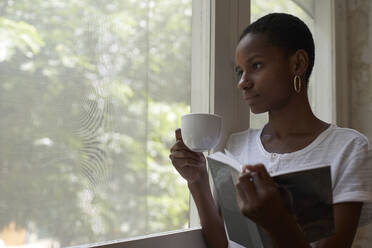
(359,28)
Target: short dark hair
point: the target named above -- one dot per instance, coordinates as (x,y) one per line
(287,32)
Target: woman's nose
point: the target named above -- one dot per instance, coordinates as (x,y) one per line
(244,82)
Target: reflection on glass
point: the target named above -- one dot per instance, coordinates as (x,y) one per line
(90,94)
(303,9)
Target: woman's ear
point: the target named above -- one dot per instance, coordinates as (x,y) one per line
(300,63)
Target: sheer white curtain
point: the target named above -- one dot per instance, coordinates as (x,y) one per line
(91,92)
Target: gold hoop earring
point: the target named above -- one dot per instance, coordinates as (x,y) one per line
(297,83)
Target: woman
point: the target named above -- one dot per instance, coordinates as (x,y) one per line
(274,60)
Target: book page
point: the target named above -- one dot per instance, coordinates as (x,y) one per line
(227,160)
(239,228)
(308,196)
(298,170)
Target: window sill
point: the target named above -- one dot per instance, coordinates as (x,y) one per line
(186,238)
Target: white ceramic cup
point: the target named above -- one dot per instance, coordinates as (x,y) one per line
(201,131)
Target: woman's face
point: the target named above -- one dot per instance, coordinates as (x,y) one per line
(266,78)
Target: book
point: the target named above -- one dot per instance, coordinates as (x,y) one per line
(308,197)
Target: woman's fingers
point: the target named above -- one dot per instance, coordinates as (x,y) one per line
(246,187)
(267,190)
(243,199)
(186,155)
(260,169)
(191,165)
(179,145)
(180,163)
(258,176)
(259,197)
(262,180)
(178,134)
(247,195)
(182,156)
(245,182)
(255,186)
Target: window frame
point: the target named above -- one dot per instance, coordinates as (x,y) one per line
(216,26)
(191,237)
(324,70)
(213,76)
(331,88)
(340,63)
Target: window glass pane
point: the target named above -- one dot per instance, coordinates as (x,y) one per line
(91,92)
(304,9)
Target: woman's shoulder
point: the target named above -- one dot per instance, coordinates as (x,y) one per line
(347,135)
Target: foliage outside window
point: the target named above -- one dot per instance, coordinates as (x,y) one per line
(91,92)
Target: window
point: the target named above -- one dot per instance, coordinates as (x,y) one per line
(91,92)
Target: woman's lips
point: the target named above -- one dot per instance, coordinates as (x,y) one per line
(250,99)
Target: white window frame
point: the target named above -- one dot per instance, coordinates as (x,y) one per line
(216,27)
(213,77)
(324,71)
(331,89)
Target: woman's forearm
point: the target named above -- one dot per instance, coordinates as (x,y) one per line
(211,222)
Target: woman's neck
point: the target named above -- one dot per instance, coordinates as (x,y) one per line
(296,118)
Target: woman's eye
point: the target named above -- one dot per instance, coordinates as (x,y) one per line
(257,66)
(238,72)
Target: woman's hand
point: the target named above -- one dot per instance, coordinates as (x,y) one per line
(260,199)
(191,165)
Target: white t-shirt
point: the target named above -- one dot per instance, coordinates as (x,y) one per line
(346,150)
